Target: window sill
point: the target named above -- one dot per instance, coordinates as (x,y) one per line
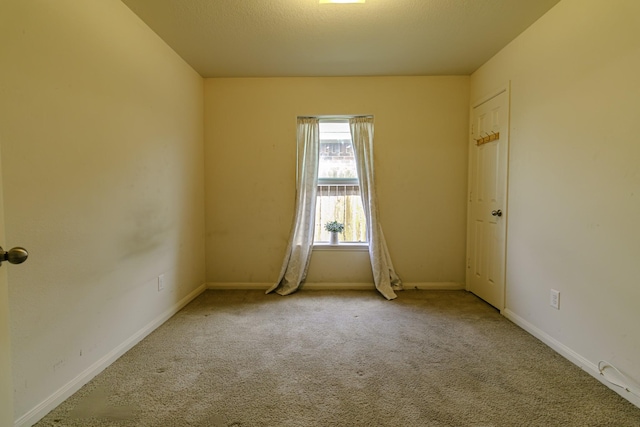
(343,246)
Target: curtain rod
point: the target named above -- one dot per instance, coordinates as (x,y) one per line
(355,116)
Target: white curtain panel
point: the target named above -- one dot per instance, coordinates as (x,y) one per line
(384,275)
(296,259)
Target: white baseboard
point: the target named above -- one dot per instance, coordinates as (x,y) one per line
(231,286)
(43,408)
(334,286)
(238,286)
(314,286)
(434,286)
(569,354)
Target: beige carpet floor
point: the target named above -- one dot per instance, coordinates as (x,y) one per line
(342,358)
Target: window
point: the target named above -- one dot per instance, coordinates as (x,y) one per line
(338,186)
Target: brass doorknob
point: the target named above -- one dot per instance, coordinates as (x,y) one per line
(496,213)
(15,255)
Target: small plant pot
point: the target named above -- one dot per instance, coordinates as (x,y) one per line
(334,238)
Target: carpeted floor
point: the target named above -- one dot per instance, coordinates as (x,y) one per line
(342,358)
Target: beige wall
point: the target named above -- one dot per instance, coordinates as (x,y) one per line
(420,156)
(103,183)
(574,188)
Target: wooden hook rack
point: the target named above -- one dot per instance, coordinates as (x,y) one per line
(488,138)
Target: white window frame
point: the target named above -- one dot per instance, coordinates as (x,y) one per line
(343,246)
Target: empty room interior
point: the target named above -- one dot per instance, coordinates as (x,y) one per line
(148,156)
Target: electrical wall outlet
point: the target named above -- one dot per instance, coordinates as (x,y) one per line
(161,282)
(555,299)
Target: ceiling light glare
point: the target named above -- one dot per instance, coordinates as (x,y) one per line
(341,1)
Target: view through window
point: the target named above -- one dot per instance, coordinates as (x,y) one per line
(338,186)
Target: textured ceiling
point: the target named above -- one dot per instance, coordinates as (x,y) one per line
(268,38)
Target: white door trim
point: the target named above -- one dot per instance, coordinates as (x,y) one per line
(6,388)
(491,95)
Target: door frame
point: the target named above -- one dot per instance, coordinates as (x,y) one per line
(6,388)
(470,184)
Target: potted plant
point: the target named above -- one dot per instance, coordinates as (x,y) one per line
(334,227)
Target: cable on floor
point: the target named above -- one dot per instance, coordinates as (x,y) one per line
(602,368)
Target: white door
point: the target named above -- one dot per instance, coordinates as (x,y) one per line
(6,388)
(487,212)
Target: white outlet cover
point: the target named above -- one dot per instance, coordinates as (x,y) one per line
(555,299)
